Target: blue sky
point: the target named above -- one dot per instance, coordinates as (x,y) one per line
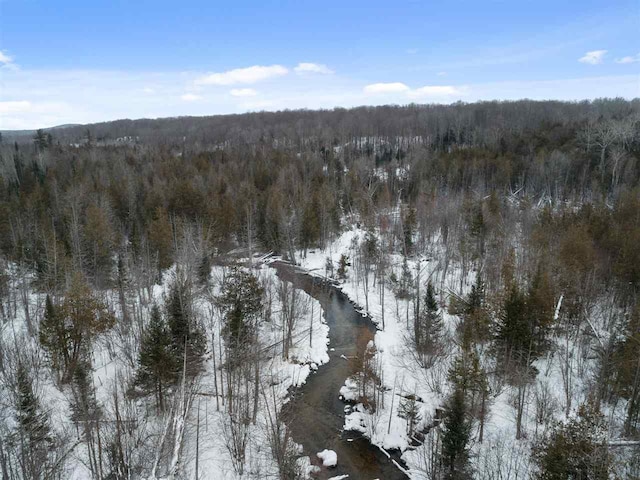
(83,61)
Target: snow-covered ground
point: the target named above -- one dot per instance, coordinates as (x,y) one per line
(500,454)
(112,370)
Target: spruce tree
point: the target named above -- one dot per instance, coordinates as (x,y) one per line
(343,265)
(66,331)
(428,325)
(204,269)
(456,436)
(403,286)
(186,332)
(53,336)
(576,449)
(157,364)
(410,411)
(241,302)
(34,431)
(514,335)
(475,317)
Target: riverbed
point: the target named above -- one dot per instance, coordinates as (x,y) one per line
(315,413)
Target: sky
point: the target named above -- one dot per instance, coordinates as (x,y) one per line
(88,61)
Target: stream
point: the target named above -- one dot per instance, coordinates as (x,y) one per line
(315,413)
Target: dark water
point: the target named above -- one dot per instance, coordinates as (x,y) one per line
(315,414)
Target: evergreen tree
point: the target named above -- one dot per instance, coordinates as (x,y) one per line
(540,308)
(410,411)
(241,301)
(428,328)
(475,317)
(84,407)
(53,336)
(456,436)
(204,269)
(157,365)
(34,432)
(66,332)
(404,286)
(576,449)
(514,335)
(626,359)
(343,265)
(160,234)
(87,413)
(184,328)
(478,228)
(40,140)
(409,224)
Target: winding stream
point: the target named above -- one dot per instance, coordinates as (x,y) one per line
(315,413)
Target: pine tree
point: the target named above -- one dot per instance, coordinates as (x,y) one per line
(343,265)
(34,431)
(456,436)
(408,230)
(241,301)
(410,411)
(428,328)
(403,286)
(85,406)
(478,228)
(514,335)
(204,269)
(475,317)
(540,308)
(53,336)
(157,366)
(575,450)
(160,234)
(66,332)
(87,413)
(184,328)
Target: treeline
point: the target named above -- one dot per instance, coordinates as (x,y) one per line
(81,207)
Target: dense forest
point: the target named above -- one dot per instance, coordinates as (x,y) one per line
(506,236)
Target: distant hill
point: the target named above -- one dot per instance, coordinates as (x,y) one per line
(430,122)
(28,133)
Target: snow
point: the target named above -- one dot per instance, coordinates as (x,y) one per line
(500,454)
(112,370)
(329,458)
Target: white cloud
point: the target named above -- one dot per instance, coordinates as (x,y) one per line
(436,91)
(19,106)
(593,57)
(247,75)
(243,92)
(4,58)
(305,67)
(43,98)
(378,88)
(148,90)
(190,97)
(441,74)
(630,59)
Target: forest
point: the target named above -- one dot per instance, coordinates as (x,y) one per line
(147,332)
